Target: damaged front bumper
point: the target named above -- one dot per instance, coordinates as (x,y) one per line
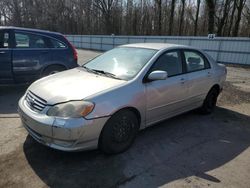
(67,134)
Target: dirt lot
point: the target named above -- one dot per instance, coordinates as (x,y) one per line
(187,151)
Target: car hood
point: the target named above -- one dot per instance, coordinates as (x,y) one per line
(74,84)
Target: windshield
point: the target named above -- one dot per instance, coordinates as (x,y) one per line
(123,63)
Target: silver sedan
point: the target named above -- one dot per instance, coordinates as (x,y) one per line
(104,103)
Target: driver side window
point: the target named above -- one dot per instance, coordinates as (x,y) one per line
(169,62)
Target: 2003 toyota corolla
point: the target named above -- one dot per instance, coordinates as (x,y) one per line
(104,103)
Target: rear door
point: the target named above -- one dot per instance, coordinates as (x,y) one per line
(30,55)
(5,57)
(199,76)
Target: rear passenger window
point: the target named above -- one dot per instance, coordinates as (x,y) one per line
(195,61)
(169,62)
(57,44)
(4,40)
(26,40)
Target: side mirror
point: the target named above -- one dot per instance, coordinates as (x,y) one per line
(157,75)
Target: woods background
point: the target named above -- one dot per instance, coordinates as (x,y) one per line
(131,17)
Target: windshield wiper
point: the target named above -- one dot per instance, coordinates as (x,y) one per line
(96,71)
(89,70)
(109,74)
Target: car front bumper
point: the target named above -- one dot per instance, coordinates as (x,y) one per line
(71,134)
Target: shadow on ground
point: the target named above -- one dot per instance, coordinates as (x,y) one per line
(9,96)
(187,145)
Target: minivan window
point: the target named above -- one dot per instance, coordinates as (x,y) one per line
(4,40)
(57,44)
(26,40)
(169,62)
(194,61)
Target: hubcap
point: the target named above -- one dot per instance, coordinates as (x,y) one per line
(122,130)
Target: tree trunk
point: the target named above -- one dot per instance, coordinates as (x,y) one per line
(135,24)
(17,13)
(171,18)
(222,20)
(211,12)
(197,17)
(129,17)
(232,18)
(159,13)
(237,22)
(181,17)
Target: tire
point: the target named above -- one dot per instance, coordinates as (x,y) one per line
(119,132)
(210,102)
(52,70)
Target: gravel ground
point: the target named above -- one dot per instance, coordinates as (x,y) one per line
(189,150)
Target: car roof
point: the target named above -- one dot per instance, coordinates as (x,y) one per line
(28,29)
(156,46)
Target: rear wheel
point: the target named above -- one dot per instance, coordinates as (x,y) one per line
(210,101)
(119,132)
(52,70)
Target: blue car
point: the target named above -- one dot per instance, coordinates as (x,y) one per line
(29,54)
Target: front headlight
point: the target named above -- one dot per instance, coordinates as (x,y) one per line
(72,109)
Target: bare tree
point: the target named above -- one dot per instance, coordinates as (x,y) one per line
(224,16)
(181,16)
(130,17)
(197,17)
(239,6)
(171,18)
(232,17)
(159,12)
(106,7)
(247,16)
(211,13)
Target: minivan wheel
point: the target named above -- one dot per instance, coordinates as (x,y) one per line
(210,102)
(52,70)
(119,132)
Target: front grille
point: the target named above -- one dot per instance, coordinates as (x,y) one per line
(35,102)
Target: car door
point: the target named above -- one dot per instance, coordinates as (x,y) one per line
(5,57)
(166,98)
(199,76)
(30,54)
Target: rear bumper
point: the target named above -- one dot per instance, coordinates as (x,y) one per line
(72,134)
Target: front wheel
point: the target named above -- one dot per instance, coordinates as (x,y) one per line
(210,102)
(119,132)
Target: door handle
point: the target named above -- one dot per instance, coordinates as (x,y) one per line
(45,52)
(2,52)
(208,74)
(182,80)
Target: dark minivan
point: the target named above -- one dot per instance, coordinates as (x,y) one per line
(29,54)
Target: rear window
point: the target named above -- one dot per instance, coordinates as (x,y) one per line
(57,44)
(27,40)
(195,61)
